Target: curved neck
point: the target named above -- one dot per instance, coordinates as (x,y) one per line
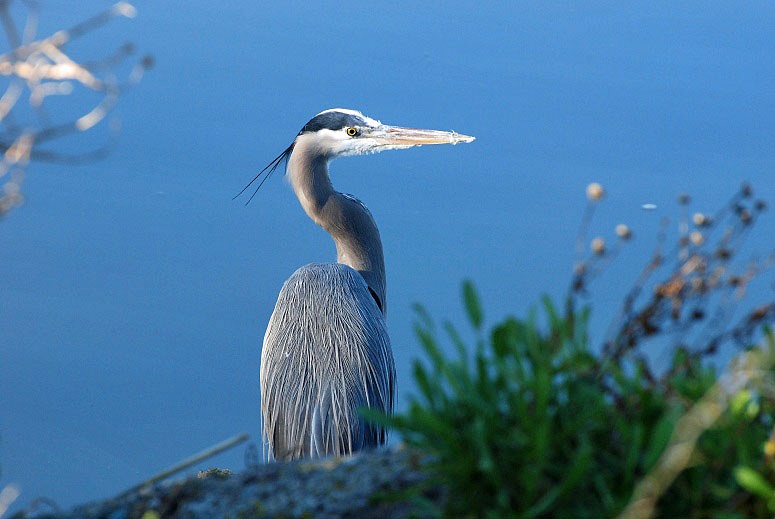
(344,217)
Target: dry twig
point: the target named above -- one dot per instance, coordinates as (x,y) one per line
(35,69)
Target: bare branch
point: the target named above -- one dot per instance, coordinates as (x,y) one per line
(39,68)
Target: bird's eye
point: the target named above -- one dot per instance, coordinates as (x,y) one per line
(352,132)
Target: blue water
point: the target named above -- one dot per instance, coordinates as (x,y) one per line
(134,292)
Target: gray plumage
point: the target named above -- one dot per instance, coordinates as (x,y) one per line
(326,349)
(328,336)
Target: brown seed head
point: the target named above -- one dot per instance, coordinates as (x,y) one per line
(598,246)
(595,191)
(700,220)
(623,232)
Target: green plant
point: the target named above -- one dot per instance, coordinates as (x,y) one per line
(532,421)
(529,426)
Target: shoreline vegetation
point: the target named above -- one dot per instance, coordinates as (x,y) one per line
(534,420)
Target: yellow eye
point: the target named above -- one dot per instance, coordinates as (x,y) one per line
(352,132)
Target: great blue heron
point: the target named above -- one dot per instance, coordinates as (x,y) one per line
(326,349)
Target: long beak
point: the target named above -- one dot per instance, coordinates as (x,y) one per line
(398,136)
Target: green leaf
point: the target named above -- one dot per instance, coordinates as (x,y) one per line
(429,389)
(460,346)
(578,467)
(753,482)
(554,318)
(660,438)
(432,349)
(635,448)
(473,307)
(376,416)
(433,426)
(544,503)
(422,316)
(486,462)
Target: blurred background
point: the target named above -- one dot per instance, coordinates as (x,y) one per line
(134,292)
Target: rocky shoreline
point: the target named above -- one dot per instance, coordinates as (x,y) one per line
(366,485)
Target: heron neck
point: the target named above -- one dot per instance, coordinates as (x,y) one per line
(344,217)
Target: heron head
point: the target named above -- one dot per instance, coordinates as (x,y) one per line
(339,132)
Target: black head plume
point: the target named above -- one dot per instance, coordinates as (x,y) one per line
(270,167)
